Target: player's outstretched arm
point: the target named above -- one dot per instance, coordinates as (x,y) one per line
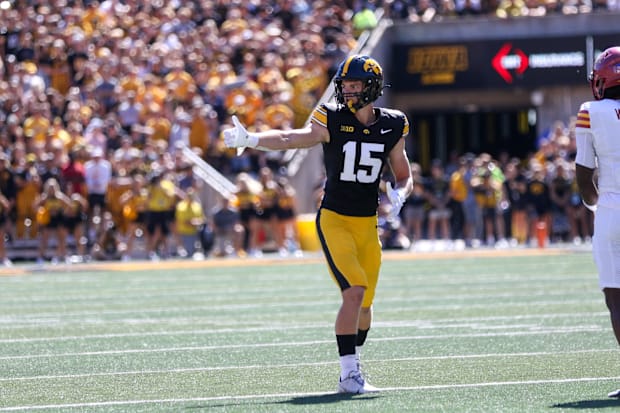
(275,139)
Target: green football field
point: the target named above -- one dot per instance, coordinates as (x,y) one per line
(515,331)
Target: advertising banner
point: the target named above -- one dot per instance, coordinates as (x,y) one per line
(510,63)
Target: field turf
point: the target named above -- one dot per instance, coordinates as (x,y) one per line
(516,331)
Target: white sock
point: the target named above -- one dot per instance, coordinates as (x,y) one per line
(358,353)
(348,364)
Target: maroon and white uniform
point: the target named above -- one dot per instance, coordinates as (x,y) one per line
(598,147)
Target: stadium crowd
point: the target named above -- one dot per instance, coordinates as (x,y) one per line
(98,98)
(497,202)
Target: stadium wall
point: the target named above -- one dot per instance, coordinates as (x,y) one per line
(481,84)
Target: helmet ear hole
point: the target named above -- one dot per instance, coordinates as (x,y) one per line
(600,88)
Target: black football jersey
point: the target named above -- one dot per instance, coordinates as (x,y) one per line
(355,156)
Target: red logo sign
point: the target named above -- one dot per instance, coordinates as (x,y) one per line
(503,61)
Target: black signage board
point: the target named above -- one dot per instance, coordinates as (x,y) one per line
(526,63)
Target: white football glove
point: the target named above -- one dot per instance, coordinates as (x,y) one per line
(238,137)
(397,199)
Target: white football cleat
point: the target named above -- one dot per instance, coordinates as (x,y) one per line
(355,384)
(615,393)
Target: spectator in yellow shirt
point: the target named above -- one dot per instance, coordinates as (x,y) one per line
(189,217)
(161,212)
(179,82)
(37,125)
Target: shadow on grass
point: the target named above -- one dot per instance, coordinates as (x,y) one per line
(328,398)
(589,404)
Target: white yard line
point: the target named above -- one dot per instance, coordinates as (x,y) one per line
(463,322)
(56,317)
(297,395)
(296,365)
(485,289)
(539,331)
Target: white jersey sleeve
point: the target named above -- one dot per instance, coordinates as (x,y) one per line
(597,134)
(585,149)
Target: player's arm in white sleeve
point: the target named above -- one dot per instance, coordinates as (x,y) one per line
(585,164)
(275,139)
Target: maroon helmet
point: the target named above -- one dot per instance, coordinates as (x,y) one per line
(606,72)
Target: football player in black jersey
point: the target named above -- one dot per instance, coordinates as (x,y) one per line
(358,140)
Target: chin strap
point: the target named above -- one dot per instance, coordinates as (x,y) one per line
(590,207)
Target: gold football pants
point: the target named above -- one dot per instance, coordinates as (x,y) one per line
(352,249)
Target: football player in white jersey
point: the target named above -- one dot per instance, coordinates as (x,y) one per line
(598,175)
